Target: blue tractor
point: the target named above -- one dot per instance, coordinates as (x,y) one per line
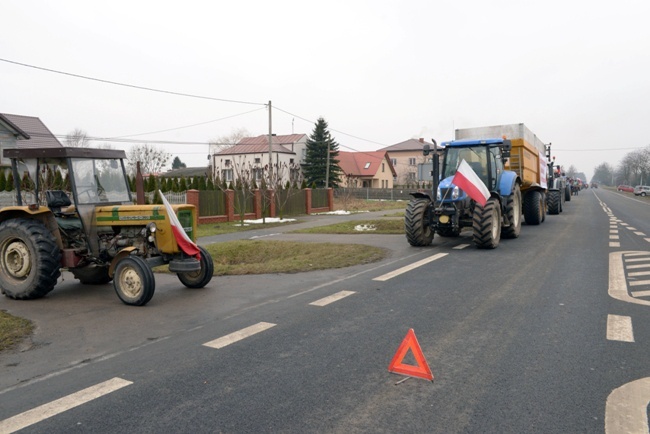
(449,209)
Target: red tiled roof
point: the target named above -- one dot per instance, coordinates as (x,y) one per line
(37,134)
(363,163)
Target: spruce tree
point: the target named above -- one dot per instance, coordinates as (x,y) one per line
(3,180)
(10,182)
(315,167)
(182,186)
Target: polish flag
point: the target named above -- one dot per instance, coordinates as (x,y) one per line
(182,239)
(467,180)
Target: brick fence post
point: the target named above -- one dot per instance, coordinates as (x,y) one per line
(308,201)
(257,204)
(192,198)
(230,205)
(330,199)
(272,210)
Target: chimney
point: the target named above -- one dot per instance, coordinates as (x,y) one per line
(421,140)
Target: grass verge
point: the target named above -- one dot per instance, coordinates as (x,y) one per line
(209,229)
(385,226)
(13,330)
(268,257)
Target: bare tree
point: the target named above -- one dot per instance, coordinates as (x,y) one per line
(152,159)
(226,141)
(77,138)
(284,191)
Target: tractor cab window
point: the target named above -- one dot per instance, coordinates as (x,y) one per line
(100,180)
(496,167)
(475,156)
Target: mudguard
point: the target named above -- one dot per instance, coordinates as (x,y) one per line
(507,183)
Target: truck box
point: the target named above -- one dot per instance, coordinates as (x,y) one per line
(528,156)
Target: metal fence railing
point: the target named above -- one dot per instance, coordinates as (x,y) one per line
(374,193)
(290,202)
(212,202)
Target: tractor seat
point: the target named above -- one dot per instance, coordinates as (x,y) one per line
(56,199)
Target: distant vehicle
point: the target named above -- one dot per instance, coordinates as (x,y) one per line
(642,190)
(594,185)
(627,188)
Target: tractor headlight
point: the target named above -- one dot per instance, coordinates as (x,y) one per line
(455,193)
(151,228)
(438,195)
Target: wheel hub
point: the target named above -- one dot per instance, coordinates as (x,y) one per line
(17,259)
(131,283)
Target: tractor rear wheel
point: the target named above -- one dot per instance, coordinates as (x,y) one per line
(567,193)
(198,279)
(554,202)
(487,224)
(133,281)
(533,211)
(513,212)
(30,259)
(416,223)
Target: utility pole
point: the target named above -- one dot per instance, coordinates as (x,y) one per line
(327,166)
(270,147)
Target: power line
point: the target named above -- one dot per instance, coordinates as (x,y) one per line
(133,86)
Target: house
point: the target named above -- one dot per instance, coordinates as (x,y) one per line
(25,132)
(366,169)
(405,157)
(249,158)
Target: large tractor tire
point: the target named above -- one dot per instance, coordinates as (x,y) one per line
(198,279)
(567,193)
(91,275)
(133,281)
(554,202)
(418,231)
(533,208)
(513,212)
(487,224)
(30,259)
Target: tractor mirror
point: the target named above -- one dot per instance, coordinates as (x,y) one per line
(505,149)
(426,150)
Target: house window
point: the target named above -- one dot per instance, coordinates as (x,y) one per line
(227,163)
(394,161)
(411,176)
(383,167)
(412,161)
(290,160)
(258,174)
(258,160)
(226,174)
(366,166)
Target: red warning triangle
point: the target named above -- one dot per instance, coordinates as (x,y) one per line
(422,370)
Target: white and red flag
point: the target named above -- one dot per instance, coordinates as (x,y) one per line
(182,239)
(467,180)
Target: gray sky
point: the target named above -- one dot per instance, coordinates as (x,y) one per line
(379,72)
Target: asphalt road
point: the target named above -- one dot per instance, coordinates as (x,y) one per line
(548,333)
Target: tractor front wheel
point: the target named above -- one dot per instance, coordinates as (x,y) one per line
(133,281)
(198,279)
(30,259)
(487,224)
(416,223)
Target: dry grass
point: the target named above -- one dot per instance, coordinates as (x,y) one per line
(385,226)
(13,330)
(262,257)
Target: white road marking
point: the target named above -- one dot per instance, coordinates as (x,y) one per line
(641,234)
(614,244)
(639,273)
(641,294)
(647,239)
(624,224)
(332,298)
(626,408)
(613,237)
(461,246)
(619,328)
(410,267)
(613,231)
(617,284)
(224,341)
(53,408)
(639,282)
(637,260)
(627,255)
(635,267)
(631,228)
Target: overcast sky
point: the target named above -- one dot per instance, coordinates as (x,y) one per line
(577,73)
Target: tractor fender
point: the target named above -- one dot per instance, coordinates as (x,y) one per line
(420,195)
(117,258)
(41,213)
(507,183)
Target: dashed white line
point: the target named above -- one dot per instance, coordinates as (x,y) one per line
(614,244)
(58,406)
(461,246)
(613,237)
(613,231)
(619,328)
(332,298)
(631,228)
(641,234)
(239,335)
(410,267)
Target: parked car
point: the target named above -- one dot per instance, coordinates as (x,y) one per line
(642,190)
(627,188)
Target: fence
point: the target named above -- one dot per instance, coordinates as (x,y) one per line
(374,193)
